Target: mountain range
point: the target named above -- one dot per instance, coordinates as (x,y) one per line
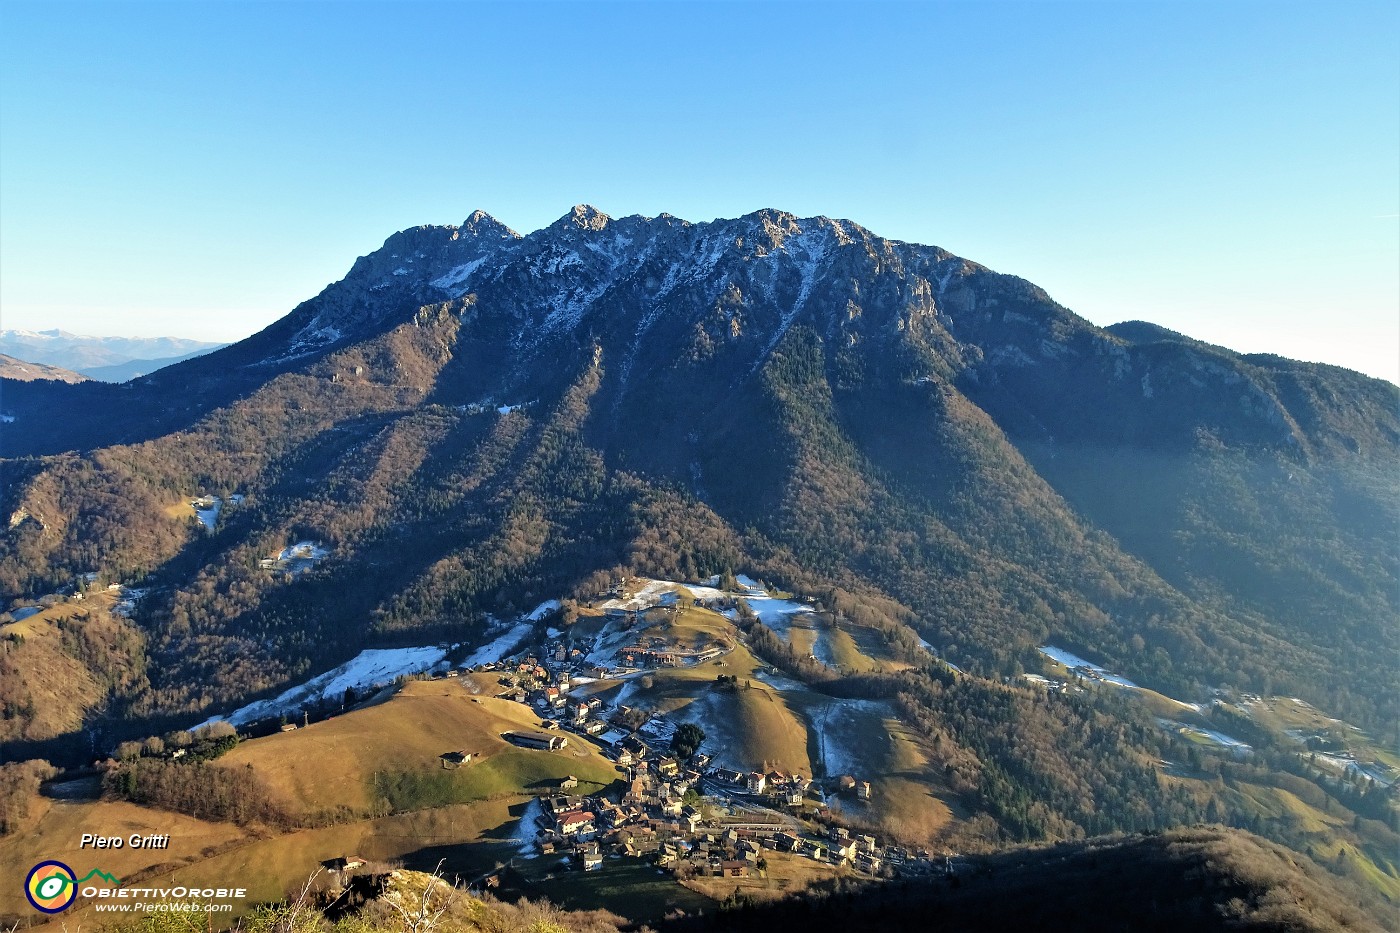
(933,454)
(473,419)
(109,359)
(959,482)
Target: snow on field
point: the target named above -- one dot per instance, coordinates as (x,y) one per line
(840,728)
(715,717)
(1376,773)
(379,666)
(1340,762)
(659,730)
(777,613)
(612,737)
(127,598)
(700,591)
(527,829)
(370,668)
(778,681)
(646,597)
(649,595)
(501,646)
(606,643)
(542,610)
(1075,662)
(821,646)
(624,695)
(207,511)
(298,558)
(24,612)
(1218,738)
(304,550)
(750,585)
(1347,763)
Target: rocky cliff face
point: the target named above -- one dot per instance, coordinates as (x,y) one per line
(729,290)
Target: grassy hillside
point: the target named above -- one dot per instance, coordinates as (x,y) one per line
(270,867)
(749,723)
(55,827)
(65,662)
(331,771)
(334,764)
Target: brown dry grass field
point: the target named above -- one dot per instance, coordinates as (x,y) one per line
(271,867)
(332,763)
(786,874)
(62,687)
(55,827)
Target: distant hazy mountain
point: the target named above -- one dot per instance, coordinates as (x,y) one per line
(22,371)
(131,369)
(110,359)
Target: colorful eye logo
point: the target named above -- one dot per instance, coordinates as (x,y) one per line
(51,887)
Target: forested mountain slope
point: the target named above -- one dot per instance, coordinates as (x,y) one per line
(473,420)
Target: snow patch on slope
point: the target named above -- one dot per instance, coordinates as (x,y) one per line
(455,280)
(208,515)
(808,250)
(777,613)
(370,668)
(838,727)
(1075,662)
(502,645)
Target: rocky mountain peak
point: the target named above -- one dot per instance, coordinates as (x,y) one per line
(775,226)
(585,217)
(482,225)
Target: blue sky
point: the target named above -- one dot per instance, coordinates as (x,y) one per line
(1227,169)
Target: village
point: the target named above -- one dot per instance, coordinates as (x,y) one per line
(680,808)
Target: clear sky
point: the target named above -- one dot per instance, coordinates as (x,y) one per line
(1227,169)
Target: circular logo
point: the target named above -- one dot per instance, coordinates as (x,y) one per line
(51,887)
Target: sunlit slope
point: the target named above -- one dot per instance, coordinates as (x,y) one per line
(55,829)
(272,868)
(58,665)
(763,720)
(334,764)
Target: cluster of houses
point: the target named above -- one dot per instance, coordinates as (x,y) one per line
(660,821)
(660,814)
(783,788)
(775,786)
